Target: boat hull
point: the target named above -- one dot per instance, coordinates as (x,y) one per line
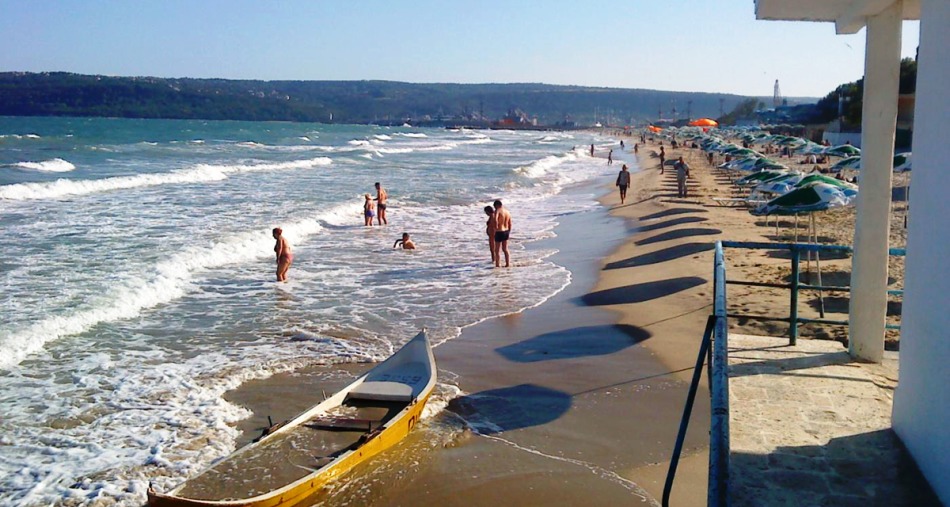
(371,443)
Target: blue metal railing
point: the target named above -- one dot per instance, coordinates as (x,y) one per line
(714,349)
(797,249)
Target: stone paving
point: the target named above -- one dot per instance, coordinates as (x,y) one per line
(809,426)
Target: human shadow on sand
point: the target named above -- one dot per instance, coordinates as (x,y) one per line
(669,223)
(666,254)
(576,342)
(678,234)
(640,292)
(671,212)
(510,408)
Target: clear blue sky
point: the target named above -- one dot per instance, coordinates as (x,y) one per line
(689,45)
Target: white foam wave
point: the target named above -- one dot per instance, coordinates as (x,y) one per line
(56,165)
(166,282)
(539,168)
(411,134)
(382,137)
(198,174)
(359,142)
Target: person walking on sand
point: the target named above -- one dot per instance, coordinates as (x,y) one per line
(662,158)
(381,197)
(490,230)
(502,233)
(610,157)
(285,254)
(407,243)
(368,211)
(682,172)
(623,181)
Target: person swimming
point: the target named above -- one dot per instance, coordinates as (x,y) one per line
(285,254)
(407,243)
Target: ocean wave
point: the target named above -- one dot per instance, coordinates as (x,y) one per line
(166,282)
(382,137)
(56,165)
(539,168)
(198,174)
(411,134)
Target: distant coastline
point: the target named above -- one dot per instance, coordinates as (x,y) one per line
(356,102)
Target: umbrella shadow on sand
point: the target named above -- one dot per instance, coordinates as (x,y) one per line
(678,234)
(664,255)
(640,292)
(671,212)
(670,223)
(510,408)
(577,342)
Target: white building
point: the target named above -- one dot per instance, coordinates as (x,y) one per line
(922,399)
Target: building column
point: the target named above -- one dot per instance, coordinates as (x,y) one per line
(879,120)
(922,399)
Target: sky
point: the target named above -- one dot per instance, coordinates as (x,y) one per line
(679,45)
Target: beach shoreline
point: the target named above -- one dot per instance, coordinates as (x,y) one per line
(603,431)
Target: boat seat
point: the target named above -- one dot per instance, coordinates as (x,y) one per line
(381,391)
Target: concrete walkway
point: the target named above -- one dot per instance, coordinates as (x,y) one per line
(811,427)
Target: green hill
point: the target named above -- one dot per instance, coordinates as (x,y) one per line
(66,94)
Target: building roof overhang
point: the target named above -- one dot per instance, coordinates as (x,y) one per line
(849,16)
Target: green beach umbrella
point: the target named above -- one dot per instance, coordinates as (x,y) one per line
(846,163)
(902,162)
(844,150)
(817,197)
(814,178)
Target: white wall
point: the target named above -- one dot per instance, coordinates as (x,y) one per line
(922,400)
(838,138)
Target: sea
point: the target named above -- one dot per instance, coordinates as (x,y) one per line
(137,273)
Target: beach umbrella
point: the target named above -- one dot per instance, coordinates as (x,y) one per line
(778,185)
(846,163)
(704,122)
(844,150)
(817,197)
(902,162)
(816,178)
(759,177)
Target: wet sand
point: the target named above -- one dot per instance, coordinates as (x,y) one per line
(574,402)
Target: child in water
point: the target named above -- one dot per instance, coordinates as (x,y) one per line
(407,243)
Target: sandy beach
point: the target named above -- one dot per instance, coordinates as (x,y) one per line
(577,401)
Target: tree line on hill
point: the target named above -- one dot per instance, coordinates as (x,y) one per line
(67,94)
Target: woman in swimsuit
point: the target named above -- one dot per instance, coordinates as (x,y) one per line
(490,230)
(285,255)
(368,211)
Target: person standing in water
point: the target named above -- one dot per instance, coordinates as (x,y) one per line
(381,197)
(490,230)
(592,150)
(285,254)
(610,157)
(368,211)
(623,181)
(502,233)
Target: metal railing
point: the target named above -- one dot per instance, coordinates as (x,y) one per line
(797,249)
(714,350)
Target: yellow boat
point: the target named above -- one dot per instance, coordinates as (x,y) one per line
(293,460)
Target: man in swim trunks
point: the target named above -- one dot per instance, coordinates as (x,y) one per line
(381,197)
(285,255)
(502,233)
